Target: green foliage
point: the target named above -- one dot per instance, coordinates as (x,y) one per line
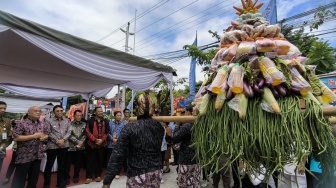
(74,100)
(186,89)
(14,115)
(322,55)
(215,35)
(203,58)
(107,117)
(321,15)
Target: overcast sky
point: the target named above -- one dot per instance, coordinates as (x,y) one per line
(168,27)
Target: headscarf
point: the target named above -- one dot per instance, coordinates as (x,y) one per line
(145,105)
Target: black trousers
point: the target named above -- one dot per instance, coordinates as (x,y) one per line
(176,156)
(11,166)
(32,169)
(226,178)
(76,158)
(1,161)
(95,160)
(108,155)
(51,156)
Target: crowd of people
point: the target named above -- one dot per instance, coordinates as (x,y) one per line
(142,148)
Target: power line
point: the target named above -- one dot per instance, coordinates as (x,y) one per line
(185,25)
(307,13)
(158,20)
(138,17)
(207,9)
(182,30)
(311,21)
(167,16)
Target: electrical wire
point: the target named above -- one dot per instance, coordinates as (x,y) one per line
(159,4)
(185,28)
(181,31)
(158,20)
(170,27)
(166,16)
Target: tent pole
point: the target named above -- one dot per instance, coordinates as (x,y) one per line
(132,101)
(87,109)
(171,98)
(123,99)
(118,97)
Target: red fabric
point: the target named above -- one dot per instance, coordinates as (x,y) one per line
(41,179)
(94,135)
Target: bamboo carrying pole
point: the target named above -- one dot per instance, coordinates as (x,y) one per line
(327,111)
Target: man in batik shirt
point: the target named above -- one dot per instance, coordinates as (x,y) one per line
(30,135)
(76,147)
(60,130)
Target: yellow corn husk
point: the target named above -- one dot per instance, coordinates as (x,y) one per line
(242,106)
(327,94)
(220,80)
(220,99)
(204,104)
(270,72)
(270,100)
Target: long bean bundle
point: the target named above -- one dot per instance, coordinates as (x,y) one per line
(265,138)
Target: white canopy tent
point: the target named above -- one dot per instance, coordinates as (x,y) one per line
(42,62)
(20,104)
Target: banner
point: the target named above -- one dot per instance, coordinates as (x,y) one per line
(73,108)
(64,103)
(270,12)
(192,73)
(129,106)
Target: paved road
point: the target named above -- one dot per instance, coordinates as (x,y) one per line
(169,181)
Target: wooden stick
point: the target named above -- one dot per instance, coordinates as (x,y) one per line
(327,111)
(332,120)
(182,119)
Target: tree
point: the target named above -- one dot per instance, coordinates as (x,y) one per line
(320,16)
(322,55)
(163,95)
(186,89)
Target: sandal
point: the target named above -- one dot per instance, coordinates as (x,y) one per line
(166,171)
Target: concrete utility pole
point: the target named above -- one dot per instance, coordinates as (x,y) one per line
(127,36)
(126,50)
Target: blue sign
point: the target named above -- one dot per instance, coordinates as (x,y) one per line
(329,82)
(192,73)
(270,12)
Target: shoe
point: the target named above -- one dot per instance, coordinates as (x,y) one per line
(88,181)
(166,171)
(67,181)
(98,179)
(117,177)
(162,181)
(75,180)
(5,181)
